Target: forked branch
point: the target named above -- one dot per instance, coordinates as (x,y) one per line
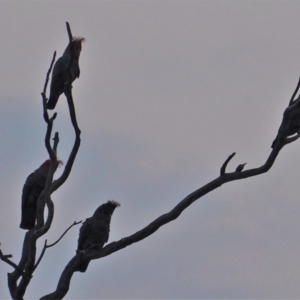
(53,244)
(73,265)
(28,264)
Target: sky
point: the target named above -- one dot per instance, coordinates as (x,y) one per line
(167,91)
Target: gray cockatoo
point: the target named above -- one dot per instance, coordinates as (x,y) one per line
(65,66)
(94,232)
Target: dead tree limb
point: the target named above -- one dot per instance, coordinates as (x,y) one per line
(6,258)
(291,114)
(28,264)
(73,265)
(53,244)
(224,166)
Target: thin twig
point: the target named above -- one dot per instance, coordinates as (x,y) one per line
(48,73)
(55,142)
(68,94)
(69,32)
(51,152)
(223,169)
(68,167)
(5,258)
(49,121)
(240,167)
(41,256)
(53,244)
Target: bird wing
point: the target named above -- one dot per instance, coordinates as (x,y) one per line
(30,195)
(58,72)
(84,232)
(103,232)
(27,188)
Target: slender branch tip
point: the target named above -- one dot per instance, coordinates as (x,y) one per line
(223,168)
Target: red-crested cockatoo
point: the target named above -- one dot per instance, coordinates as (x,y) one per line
(34,185)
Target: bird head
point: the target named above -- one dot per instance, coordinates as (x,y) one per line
(77,41)
(106,209)
(46,165)
(74,47)
(77,46)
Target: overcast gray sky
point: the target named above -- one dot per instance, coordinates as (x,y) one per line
(168,89)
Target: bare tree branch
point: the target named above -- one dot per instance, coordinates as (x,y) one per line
(57,183)
(53,244)
(41,255)
(5,258)
(69,97)
(49,121)
(27,263)
(90,254)
(55,142)
(240,167)
(48,74)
